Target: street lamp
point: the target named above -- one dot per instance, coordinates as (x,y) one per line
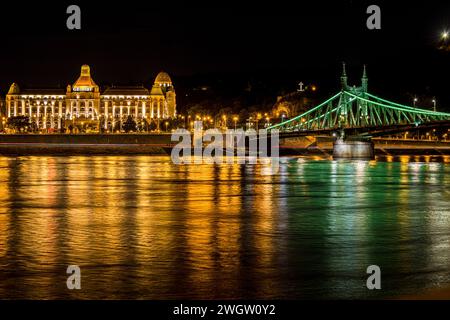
(235,122)
(258,117)
(444,35)
(415,100)
(434,104)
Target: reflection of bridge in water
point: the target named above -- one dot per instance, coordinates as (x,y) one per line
(354,116)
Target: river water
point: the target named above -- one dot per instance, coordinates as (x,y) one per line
(142,228)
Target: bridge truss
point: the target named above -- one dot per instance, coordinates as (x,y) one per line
(350,110)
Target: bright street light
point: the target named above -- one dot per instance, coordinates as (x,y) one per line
(235,122)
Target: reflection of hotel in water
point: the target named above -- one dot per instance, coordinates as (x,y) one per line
(83,101)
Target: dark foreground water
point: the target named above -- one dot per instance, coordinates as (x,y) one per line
(140,227)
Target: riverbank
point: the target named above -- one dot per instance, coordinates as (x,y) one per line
(154,144)
(161,144)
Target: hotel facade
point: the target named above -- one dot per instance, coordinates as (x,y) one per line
(84,103)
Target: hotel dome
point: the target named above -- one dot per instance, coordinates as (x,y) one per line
(163,79)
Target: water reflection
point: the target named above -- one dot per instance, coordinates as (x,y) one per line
(140,227)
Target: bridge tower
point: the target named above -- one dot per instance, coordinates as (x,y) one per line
(344,78)
(363,104)
(354,148)
(364,81)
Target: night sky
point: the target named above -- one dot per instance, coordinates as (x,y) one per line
(131,41)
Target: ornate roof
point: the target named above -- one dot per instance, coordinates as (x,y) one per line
(126,91)
(14,89)
(156,90)
(44,91)
(163,78)
(85,80)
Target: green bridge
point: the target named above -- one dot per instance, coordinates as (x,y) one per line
(356,115)
(355,107)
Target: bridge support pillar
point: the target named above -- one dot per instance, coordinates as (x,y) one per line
(353,149)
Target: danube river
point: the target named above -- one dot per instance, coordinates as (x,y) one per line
(140,227)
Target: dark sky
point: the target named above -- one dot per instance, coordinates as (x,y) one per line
(133,40)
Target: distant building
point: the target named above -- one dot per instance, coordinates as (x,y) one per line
(83,102)
(293,104)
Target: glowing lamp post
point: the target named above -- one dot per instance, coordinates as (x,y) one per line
(258,117)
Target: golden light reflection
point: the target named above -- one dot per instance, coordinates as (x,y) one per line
(198,229)
(4,227)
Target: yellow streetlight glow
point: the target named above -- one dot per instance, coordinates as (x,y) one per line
(445,35)
(235,118)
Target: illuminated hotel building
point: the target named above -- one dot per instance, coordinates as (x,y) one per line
(84,102)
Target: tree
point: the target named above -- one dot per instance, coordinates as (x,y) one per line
(152,125)
(145,126)
(129,125)
(19,123)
